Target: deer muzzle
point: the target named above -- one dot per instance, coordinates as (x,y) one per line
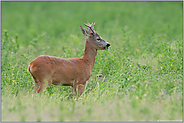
(107,46)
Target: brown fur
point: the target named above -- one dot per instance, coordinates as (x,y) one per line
(74,72)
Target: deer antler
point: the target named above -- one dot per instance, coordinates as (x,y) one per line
(90,26)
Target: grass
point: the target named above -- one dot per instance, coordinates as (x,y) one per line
(142,70)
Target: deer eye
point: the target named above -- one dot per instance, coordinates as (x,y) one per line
(92,34)
(98,39)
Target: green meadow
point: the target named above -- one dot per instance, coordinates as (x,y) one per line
(142,71)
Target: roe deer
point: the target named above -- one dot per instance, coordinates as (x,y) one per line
(74,72)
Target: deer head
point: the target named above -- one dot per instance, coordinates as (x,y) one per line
(94,38)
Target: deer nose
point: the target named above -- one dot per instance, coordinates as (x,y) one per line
(108,45)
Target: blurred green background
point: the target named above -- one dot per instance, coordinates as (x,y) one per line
(142,70)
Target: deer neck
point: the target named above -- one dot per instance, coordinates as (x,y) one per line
(89,54)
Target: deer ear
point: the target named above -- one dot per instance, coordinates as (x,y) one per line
(84,31)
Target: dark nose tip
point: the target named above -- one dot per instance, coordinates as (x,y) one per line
(108,45)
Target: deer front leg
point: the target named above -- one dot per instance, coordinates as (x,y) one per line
(81,88)
(74,92)
(77,90)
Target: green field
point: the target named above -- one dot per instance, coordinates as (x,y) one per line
(142,70)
